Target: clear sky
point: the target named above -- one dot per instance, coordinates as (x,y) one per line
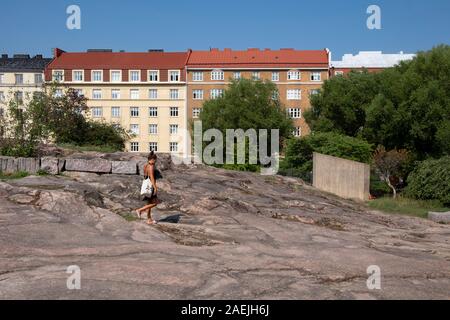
(30,26)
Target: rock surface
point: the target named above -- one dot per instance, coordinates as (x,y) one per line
(124,167)
(50,165)
(94,165)
(439,217)
(222,235)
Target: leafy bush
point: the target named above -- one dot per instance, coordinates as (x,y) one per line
(299,152)
(430,180)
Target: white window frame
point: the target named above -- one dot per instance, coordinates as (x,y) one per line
(178,76)
(54,72)
(313,78)
(134,97)
(150,96)
(172,112)
(93,78)
(40,76)
(196,112)
(151,110)
(134,144)
(197,94)
(296,97)
(217,75)
(115,115)
(294,75)
(214,96)
(154,148)
(134,128)
(172,95)
(94,115)
(197,76)
(157,76)
(75,72)
(118,91)
(256,75)
(2,78)
(294,113)
(93,94)
(171,127)
(111,76)
(237,75)
(275,76)
(155,126)
(130,78)
(173,146)
(297,132)
(132,109)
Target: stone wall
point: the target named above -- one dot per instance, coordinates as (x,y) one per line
(115,163)
(345,178)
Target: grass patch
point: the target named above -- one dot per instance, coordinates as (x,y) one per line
(12,176)
(406,206)
(78,148)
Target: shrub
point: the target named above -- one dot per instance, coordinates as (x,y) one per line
(430,181)
(299,152)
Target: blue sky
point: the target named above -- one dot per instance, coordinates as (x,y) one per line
(30,26)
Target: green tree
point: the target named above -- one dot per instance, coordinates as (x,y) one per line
(247,104)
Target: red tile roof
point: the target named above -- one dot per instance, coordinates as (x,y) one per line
(255,58)
(119,60)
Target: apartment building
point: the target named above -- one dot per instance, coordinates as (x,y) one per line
(144,92)
(20,77)
(297,73)
(372,61)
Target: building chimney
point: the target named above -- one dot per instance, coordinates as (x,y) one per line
(57,52)
(21,56)
(38,56)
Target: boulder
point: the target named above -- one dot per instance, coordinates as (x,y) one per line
(439,217)
(94,165)
(124,167)
(29,165)
(8,164)
(61,165)
(50,165)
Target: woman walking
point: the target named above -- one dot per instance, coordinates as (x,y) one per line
(152,201)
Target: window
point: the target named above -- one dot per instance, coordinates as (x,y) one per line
(275,76)
(96,94)
(217,75)
(135,76)
(173,146)
(134,146)
(79,92)
(115,112)
(18,96)
(197,76)
(173,129)
(58,93)
(58,75)
(153,76)
(293,75)
(313,92)
(116,76)
(275,95)
(256,75)
(236,75)
(197,94)
(339,73)
(153,146)
(134,128)
(173,94)
(38,78)
(293,94)
(153,94)
(134,112)
(77,76)
(134,94)
(115,94)
(297,132)
(196,112)
(316,76)
(19,78)
(97,76)
(174,76)
(294,113)
(153,112)
(2,96)
(153,128)
(174,111)
(97,112)
(216,93)
(2,78)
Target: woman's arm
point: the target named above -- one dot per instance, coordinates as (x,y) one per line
(152,178)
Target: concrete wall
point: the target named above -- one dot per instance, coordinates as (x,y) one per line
(344,178)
